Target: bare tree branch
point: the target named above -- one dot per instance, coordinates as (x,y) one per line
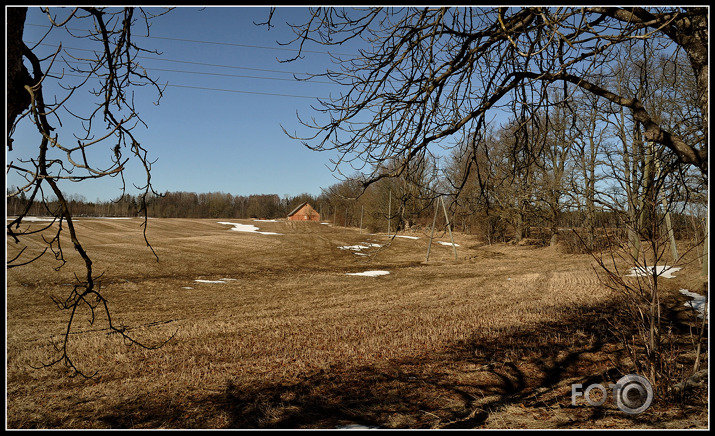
(115,68)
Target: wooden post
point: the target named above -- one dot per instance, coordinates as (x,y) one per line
(449,229)
(362,210)
(434,221)
(389,214)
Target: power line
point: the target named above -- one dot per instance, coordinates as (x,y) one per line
(225,75)
(219,65)
(242,92)
(211,89)
(265,70)
(263,47)
(243,45)
(237,75)
(212,65)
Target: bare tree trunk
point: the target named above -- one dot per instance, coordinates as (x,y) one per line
(671,233)
(18,99)
(519,225)
(654,329)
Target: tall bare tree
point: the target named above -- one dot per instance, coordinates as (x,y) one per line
(589,137)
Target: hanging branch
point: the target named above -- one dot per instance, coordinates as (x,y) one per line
(115,68)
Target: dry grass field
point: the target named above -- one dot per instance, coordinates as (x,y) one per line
(278,336)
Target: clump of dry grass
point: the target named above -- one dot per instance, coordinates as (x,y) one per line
(293,342)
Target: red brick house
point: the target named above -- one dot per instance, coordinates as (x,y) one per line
(304,212)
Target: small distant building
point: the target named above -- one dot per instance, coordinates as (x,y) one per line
(304,212)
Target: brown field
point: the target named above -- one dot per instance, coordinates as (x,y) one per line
(492,340)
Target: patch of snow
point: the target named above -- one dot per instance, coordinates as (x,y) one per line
(34,219)
(110,218)
(698,303)
(447,243)
(246,228)
(47,219)
(369,273)
(362,246)
(406,237)
(356,427)
(221,280)
(353,247)
(325,224)
(664,271)
(187,287)
(266,221)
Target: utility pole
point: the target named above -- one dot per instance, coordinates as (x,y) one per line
(389,214)
(434,221)
(362,209)
(449,227)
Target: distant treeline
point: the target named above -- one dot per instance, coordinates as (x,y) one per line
(345,204)
(174,205)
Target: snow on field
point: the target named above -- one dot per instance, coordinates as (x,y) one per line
(109,218)
(247,228)
(223,280)
(698,303)
(47,219)
(34,219)
(369,273)
(266,221)
(406,237)
(359,247)
(356,427)
(664,271)
(356,248)
(447,243)
(353,247)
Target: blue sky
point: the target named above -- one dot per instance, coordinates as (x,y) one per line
(227,138)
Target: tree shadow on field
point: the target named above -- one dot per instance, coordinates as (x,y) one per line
(518,379)
(456,388)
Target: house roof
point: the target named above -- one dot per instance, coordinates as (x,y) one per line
(298,208)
